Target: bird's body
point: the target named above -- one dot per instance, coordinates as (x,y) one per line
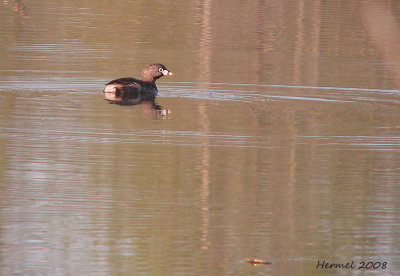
(150,74)
(130,91)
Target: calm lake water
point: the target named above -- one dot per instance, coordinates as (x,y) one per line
(283,141)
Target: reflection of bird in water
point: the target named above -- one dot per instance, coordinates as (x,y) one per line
(131,91)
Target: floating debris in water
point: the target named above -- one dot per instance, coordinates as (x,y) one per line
(256,261)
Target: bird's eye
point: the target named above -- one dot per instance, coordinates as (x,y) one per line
(160,69)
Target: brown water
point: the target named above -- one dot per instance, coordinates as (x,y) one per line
(283,142)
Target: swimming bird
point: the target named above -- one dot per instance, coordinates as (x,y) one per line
(131,87)
(132,91)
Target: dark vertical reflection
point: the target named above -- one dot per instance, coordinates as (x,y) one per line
(267,31)
(384,31)
(306,46)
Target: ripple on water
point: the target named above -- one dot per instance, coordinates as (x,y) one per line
(213,91)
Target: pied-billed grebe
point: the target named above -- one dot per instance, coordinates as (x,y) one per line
(150,74)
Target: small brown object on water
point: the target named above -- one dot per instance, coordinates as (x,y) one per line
(256,261)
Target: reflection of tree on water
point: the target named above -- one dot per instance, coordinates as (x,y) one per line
(382,26)
(131,95)
(17,6)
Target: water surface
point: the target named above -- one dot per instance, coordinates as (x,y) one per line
(283,141)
